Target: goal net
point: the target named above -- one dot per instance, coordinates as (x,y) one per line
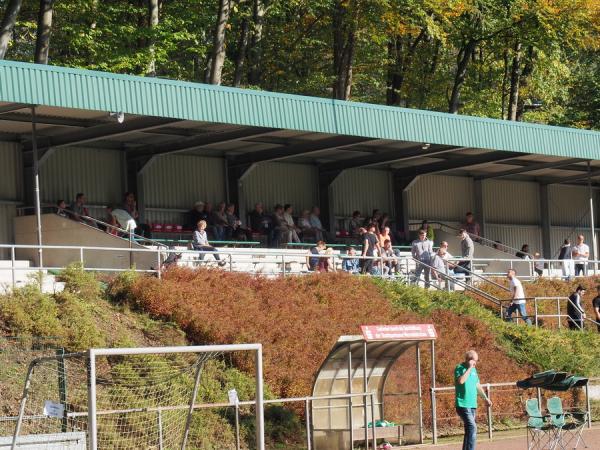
(130,398)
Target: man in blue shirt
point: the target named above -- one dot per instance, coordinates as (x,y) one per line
(466,387)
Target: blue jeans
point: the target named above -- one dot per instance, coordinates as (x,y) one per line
(468,417)
(522,312)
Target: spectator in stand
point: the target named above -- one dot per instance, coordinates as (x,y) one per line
(538,264)
(384,221)
(524,252)
(567,259)
(281,230)
(442,264)
(467,249)
(130,205)
(235,228)
(304,224)
(466,388)
(596,307)
(384,236)
(581,253)
(517,297)
(121,219)
(61,206)
(196,214)
(374,217)
(370,249)
(289,219)
(200,242)
(355,223)
(471,225)
(390,258)
(316,262)
(78,208)
(575,309)
(315,223)
(351,264)
(260,222)
(218,220)
(422,251)
(206,215)
(429,230)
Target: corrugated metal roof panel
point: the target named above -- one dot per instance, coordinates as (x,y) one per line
(363,190)
(440,197)
(95,172)
(179,181)
(511,202)
(74,88)
(271,183)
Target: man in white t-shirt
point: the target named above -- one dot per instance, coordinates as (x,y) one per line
(518,297)
(581,253)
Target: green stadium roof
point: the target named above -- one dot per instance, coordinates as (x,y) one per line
(98,91)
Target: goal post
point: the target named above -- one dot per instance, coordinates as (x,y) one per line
(93,354)
(131,398)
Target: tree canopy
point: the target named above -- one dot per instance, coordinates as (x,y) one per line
(533,60)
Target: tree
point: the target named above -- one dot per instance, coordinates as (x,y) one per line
(44,30)
(217,55)
(153,13)
(8,24)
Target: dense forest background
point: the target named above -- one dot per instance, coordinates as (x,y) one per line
(531,60)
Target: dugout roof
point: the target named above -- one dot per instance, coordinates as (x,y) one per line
(248,126)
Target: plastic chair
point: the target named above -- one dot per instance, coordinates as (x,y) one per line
(541,434)
(570,425)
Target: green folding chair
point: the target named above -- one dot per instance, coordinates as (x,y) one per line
(541,433)
(569,424)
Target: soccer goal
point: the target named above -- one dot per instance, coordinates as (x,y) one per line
(130,398)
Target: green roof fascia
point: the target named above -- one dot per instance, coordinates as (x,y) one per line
(91,90)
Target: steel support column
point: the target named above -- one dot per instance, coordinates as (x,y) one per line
(401,184)
(326,180)
(545,220)
(235,186)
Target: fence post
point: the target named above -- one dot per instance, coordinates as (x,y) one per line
(433,417)
(237,426)
(62,386)
(12,265)
(308,433)
(373,427)
(535,305)
(488,389)
(160,430)
(588,407)
(558,312)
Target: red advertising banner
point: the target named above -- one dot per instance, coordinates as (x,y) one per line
(416,332)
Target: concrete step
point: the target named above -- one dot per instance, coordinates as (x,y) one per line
(7,263)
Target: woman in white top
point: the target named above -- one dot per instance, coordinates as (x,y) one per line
(200,242)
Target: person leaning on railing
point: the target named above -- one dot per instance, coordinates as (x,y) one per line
(575,309)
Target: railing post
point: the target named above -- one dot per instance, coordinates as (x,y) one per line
(588,407)
(230,262)
(535,306)
(158,267)
(433,417)
(308,427)
(81,256)
(237,426)
(160,429)
(373,427)
(12,265)
(558,313)
(488,389)
(283,264)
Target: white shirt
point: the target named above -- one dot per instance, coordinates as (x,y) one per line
(124,219)
(581,249)
(517,289)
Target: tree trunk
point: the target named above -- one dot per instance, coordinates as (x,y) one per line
(515,79)
(217,57)
(241,54)
(401,55)
(44,30)
(8,24)
(525,74)
(463,58)
(343,51)
(504,83)
(153,10)
(255,50)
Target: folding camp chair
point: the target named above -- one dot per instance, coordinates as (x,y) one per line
(541,433)
(570,425)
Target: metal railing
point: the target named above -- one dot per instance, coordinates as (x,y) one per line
(491,413)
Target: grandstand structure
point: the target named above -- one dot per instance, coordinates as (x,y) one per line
(182,142)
